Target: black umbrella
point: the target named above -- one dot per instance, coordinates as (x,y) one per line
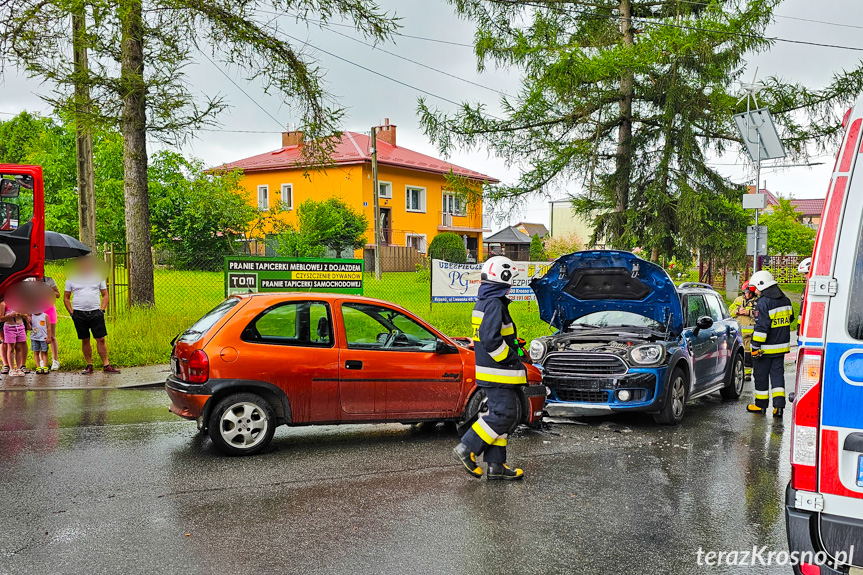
(62,247)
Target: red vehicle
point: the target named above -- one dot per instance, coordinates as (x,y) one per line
(22,224)
(257,361)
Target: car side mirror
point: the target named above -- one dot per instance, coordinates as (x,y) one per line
(442,347)
(704,322)
(9,188)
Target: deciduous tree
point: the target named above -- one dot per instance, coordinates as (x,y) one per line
(785,233)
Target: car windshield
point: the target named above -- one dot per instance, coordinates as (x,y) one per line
(203,325)
(616,319)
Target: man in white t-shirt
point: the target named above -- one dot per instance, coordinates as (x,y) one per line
(86,298)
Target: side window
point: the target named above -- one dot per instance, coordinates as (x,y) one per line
(695,308)
(374,327)
(302,323)
(717,309)
(855,302)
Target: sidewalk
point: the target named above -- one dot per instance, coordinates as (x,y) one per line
(131,377)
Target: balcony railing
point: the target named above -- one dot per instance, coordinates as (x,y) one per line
(461,221)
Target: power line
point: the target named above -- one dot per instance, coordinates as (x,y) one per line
(225,74)
(420,63)
(367,69)
(798,18)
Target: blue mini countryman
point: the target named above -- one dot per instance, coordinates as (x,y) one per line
(627,339)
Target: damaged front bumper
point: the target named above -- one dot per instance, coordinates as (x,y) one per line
(637,390)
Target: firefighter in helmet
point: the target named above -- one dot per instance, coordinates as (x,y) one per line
(498,371)
(743,310)
(771,340)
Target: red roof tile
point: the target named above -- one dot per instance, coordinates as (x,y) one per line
(807,207)
(353,149)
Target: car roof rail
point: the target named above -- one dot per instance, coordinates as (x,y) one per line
(696,284)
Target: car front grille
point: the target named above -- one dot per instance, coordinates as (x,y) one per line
(582,396)
(570,364)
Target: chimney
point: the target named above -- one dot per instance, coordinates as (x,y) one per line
(386,133)
(292,138)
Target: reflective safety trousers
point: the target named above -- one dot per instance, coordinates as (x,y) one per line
(773,318)
(495,344)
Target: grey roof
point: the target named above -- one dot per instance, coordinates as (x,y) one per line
(508,235)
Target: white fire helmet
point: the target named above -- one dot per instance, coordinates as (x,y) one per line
(499,269)
(804,266)
(762,280)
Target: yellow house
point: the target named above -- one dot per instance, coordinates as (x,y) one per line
(415,202)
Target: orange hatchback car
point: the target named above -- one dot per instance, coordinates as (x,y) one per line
(258,361)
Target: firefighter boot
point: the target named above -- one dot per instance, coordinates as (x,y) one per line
(752,408)
(778,412)
(468,459)
(498,471)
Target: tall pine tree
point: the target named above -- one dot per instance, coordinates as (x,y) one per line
(628,99)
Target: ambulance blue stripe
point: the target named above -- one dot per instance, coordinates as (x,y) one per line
(841,400)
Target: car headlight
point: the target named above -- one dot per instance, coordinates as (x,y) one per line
(647,354)
(537,350)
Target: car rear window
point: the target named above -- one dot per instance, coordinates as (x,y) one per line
(302,323)
(855,304)
(203,325)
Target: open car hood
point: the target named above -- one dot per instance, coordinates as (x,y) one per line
(606,280)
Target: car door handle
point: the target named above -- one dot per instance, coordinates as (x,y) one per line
(353,364)
(854,442)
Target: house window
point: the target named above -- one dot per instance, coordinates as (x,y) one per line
(453,204)
(287,196)
(263,198)
(385,190)
(415,199)
(416,241)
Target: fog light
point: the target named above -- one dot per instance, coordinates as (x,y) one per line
(623,395)
(537,414)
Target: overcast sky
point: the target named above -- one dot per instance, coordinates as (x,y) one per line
(370,98)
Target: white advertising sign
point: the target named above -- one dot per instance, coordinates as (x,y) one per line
(460,282)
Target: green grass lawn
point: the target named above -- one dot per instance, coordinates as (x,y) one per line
(143,336)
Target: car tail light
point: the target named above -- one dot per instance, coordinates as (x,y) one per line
(198,367)
(804,433)
(809,569)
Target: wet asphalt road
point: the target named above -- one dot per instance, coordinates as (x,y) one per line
(107,481)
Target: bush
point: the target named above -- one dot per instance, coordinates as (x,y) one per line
(537,250)
(448,247)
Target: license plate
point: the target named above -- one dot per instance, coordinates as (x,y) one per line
(860,471)
(175,366)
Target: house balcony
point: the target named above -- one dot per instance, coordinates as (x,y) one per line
(460,223)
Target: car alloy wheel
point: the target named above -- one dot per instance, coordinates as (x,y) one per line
(243,425)
(739,376)
(735,380)
(678,397)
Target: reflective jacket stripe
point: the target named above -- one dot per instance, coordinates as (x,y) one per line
(485,432)
(501,375)
(759,336)
(507,329)
(500,353)
(777,310)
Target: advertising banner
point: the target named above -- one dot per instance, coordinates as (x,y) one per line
(460,282)
(249,274)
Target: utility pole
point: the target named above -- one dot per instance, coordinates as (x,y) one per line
(377,206)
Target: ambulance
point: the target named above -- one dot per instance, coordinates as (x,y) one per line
(824,500)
